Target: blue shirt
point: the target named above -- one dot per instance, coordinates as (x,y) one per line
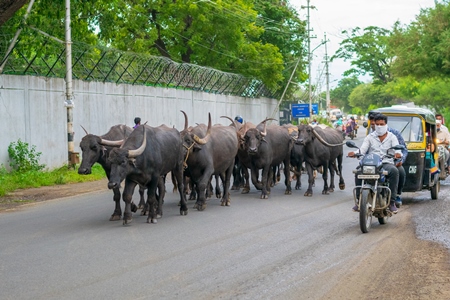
(401,141)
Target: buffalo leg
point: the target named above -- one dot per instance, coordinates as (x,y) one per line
(178,174)
(127,196)
(325,178)
(160,198)
(117,214)
(151,199)
(309,170)
(226,185)
(287,178)
(246,188)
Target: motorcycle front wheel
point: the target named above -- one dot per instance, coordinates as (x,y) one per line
(365,211)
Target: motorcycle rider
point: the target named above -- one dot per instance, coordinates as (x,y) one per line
(398,163)
(379,142)
(444,140)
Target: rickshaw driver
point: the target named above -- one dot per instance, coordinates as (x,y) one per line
(443,140)
(399,163)
(379,142)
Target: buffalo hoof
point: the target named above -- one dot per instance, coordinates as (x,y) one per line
(245,191)
(200,207)
(218,196)
(192,197)
(233,188)
(331,190)
(127,221)
(288,192)
(134,208)
(342,186)
(225,203)
(159,216)
(264,196)
(308,194)
(115,217)
(152,220)
(325,192)
(183,212)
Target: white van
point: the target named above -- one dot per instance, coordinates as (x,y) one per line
(335,114)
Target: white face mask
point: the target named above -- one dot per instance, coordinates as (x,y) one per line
(380,129)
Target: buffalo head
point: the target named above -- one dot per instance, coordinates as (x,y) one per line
(189,135)
(254,137)
(305,134)
(123,161)
(93,148)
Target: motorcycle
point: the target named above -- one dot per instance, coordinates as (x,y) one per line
(442,163)
(374,194)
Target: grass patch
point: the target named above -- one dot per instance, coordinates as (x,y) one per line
(11,181)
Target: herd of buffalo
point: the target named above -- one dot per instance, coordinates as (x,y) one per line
(198,154)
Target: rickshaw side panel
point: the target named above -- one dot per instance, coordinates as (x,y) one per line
(414,167)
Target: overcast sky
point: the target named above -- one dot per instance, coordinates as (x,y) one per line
(334,16)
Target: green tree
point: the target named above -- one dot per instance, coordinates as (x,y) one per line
(368,53)
(260,39)
(340,95)
(421,48)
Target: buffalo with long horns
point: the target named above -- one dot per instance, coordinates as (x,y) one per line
(268,147)
(148,154)
(209,151)
(323,147)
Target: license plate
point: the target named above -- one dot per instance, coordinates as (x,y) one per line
(362,176)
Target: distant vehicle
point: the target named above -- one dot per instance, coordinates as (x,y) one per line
(335,114)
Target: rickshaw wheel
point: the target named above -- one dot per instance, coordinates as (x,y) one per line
(435,190)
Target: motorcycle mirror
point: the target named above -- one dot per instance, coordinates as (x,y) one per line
(391,152)
(351,144)
(365,124)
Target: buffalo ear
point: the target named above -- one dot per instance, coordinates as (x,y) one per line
(197,147)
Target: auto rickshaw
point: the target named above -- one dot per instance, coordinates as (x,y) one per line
(418,129)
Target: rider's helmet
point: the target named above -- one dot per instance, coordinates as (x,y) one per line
(239,119)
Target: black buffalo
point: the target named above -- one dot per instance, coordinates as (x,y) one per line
(268,146)
(209,151)
(96,149)
(297,155)
(323,147)
(148,154)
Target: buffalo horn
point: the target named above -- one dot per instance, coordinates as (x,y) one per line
(84,130)
(325,142)
(185,120)
(264,133)
(140,150)
(232,122)
(208,133)
(111,143)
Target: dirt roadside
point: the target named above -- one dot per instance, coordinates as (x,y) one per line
(400,267)
(17,199)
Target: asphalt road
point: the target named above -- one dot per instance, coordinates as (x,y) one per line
(285,247)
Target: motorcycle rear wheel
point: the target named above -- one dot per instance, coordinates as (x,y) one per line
(365,213)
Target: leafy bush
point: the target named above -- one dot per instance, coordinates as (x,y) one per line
(23,157)
(15,180)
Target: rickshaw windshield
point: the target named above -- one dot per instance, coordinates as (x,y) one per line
(410,127)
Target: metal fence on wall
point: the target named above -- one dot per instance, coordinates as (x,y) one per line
(110,65)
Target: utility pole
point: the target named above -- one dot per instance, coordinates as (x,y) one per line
(309,57)
(68,102)
(327,74)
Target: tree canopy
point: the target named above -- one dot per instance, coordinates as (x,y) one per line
(258,39)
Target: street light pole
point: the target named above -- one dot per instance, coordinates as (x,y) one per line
(309,58)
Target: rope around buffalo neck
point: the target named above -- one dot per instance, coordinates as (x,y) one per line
(187,154)
(325,142)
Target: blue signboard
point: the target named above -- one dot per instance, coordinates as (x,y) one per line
(301,110)
(315,108)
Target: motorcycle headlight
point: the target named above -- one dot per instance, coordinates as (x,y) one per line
(368,170)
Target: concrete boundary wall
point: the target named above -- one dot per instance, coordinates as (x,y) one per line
(32,110)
